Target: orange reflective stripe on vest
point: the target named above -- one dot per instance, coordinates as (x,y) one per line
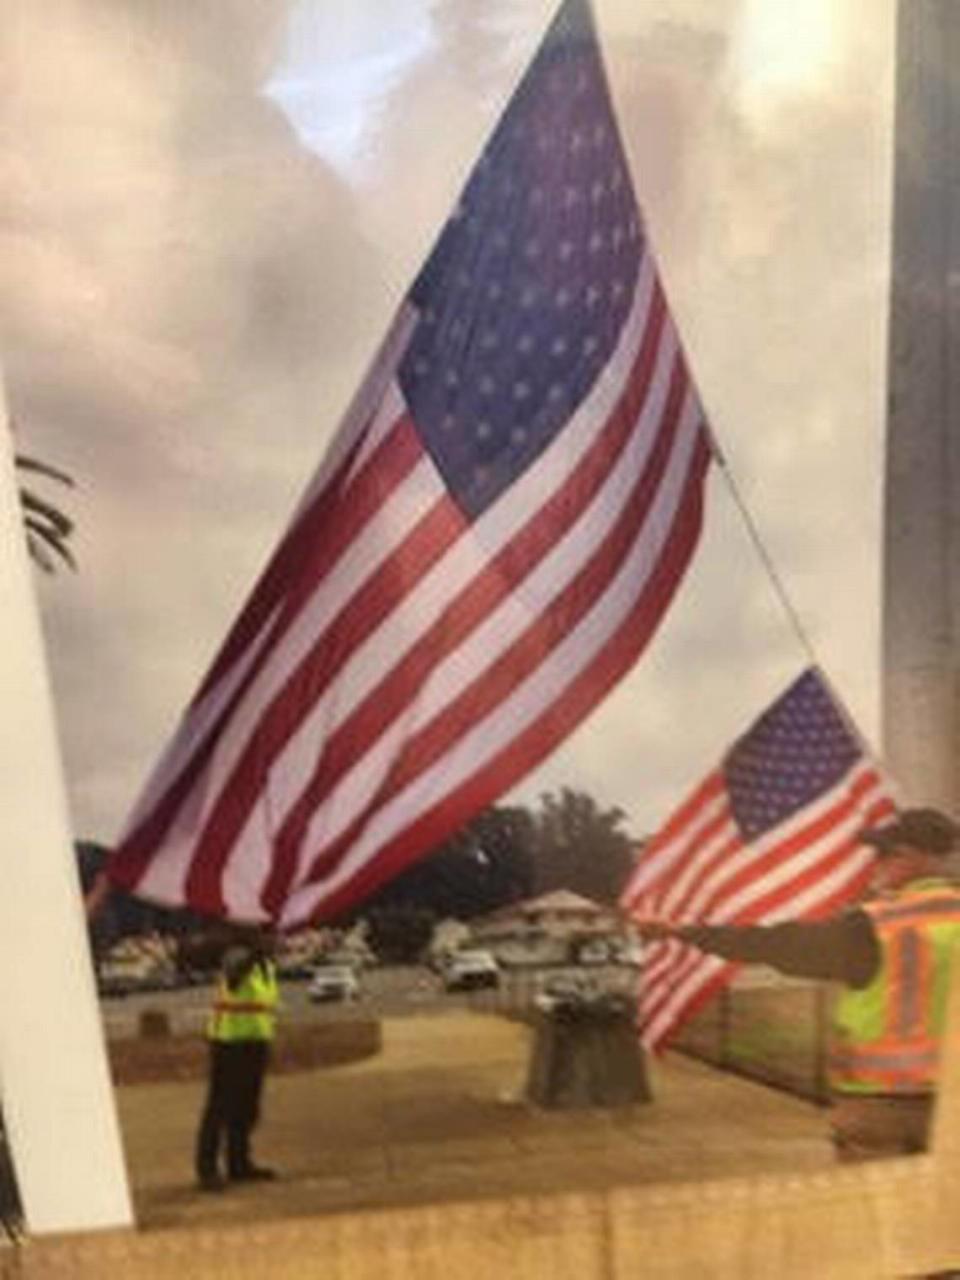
(887,1034)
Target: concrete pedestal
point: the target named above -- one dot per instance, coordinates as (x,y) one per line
(587,1058)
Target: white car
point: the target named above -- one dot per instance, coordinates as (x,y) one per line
(333,982)
(556,990)
(468,970)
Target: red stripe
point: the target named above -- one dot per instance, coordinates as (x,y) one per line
(495,685)
(693,858)
(670,844)
(434,533)
(691,1006)
(500,578)
(318,538)
(335,522)
(527,750)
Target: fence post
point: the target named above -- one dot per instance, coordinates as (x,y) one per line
(822,998)
(723,1029)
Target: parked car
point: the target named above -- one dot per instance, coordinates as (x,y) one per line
(333,982)
(470,970)
(563,988)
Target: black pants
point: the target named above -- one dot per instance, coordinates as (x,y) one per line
(232,1108)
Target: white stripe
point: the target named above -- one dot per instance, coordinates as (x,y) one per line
(675,882)
(364,415)
(194,728)
(661,857)
(665,1020)
(289,650)
(485,739)
(372,401)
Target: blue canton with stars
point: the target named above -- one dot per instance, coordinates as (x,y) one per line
(795,752)
(524,296)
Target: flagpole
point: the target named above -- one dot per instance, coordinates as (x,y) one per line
(58,1105)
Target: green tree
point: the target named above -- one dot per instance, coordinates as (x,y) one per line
(581,846)
(399,933)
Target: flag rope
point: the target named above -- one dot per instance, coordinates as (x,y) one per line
(780,590)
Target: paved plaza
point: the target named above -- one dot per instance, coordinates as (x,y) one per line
(439,1116)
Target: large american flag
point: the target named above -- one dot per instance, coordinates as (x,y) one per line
(770,835)
(500,526)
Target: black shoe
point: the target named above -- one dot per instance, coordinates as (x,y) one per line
(253,1173)
(211,1182)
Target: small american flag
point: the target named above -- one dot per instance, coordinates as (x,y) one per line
(769,836)
(501,523)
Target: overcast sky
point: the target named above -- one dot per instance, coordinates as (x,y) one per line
(213,209)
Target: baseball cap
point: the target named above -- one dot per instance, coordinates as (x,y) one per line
(926,829)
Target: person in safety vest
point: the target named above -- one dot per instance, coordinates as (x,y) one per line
(239,1031)
(893,954)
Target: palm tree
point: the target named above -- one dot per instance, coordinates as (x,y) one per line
(46,527)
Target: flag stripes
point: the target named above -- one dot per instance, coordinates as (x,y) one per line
(701,869)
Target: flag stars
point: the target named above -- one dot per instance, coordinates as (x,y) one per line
(533,289)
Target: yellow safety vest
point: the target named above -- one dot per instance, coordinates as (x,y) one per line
(887,1034)
(249,1012)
